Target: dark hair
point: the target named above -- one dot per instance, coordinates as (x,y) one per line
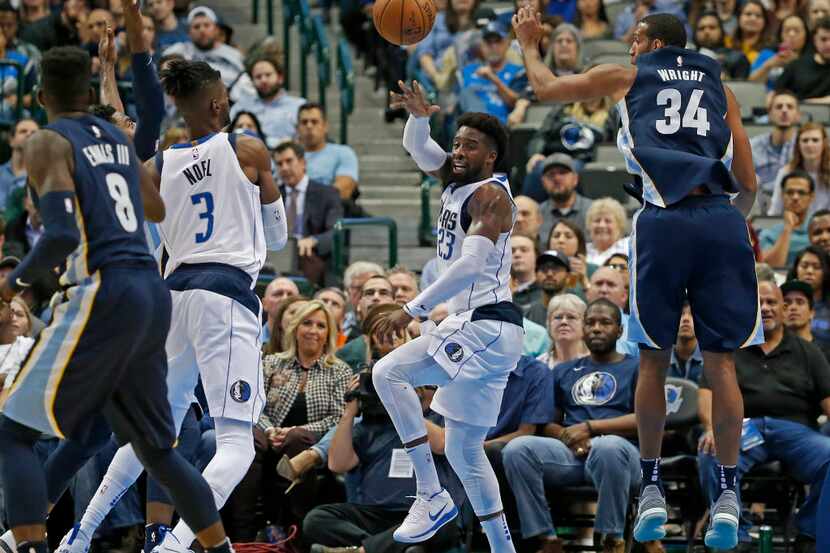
(7,7)
(183,79)
(783,92)
(823,23)
(103,111)
(269,59)
(21,120)
(254,118)
(720,26)
(65,73)
(452,19)
(665,27)
(798,174)
(818,213)
(312,105)
(765,40)
(581,246)
(295,147)
(792,274)
(490,126)
(169,57)
(604,302)
(601,15)
(779,34)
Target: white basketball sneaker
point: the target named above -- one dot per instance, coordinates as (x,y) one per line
(171,544)
(426,517)
(75,541)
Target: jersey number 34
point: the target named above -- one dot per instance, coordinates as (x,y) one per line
(694,116)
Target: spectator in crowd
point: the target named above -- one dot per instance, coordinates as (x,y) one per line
(627,20)
(565,313)
(819,229)
(404,289)
(276,291)
(23,232)
(799,313)
(812,266)
(607,283)
(33,10)
(376,290)
(457,19)
(13,172)
(283,315)
(686,359)
(273,106)
(354,277)
(811,154)
(587,440)
(304,389)
(754,32)
(792,43)
(366,448)
(553,272)
(492,84)
(773,150)
(709,39)
(560,179)
(203,46)
(526,291)
(807,76)
(815,11)
(311,209)
(606,222)
(169,28)
(591,20)
(335,301)
(245,121)
(59,28)
(569,239)
(10,26)
(331,164)
(528,218)
(781,242)
(785,383)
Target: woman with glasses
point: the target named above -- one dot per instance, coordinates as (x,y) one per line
(565,313)
(812,155)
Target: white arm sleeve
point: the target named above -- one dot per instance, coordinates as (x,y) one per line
(428,155)
(457,277)
(274,225)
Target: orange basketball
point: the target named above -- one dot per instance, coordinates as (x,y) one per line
(403,22)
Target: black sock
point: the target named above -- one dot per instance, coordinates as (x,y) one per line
(32,547)
(224,547)
(726,477)
(651,473)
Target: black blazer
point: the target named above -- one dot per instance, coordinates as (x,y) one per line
(321,209)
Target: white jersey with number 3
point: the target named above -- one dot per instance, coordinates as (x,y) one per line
(213,210)
(492,285)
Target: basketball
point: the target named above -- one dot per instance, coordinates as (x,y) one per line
(403,22)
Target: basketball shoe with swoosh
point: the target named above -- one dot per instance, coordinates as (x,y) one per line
(426,517)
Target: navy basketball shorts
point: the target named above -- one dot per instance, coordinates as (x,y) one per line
(103,352)
(697,249)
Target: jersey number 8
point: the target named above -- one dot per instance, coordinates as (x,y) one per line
(120,192)
(694,117)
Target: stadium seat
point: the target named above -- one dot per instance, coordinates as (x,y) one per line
(536,113)
(749,94)
(755,130)
(617,59)
(598,181)
(613,9)
(609,155)
(815,112)
(593,48)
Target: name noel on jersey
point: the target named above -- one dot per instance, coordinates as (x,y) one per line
(681,75)
(198,171)
(103,152)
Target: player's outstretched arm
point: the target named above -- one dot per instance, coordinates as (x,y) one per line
(150,182)
(602,80)
(256,164)
(50,165)
(427,154)
(742,166)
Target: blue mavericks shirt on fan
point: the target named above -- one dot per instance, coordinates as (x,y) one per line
(511,74)
(584,390)
(674,134)
(107,189)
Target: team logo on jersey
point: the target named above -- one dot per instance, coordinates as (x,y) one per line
(454,351)
(597,388)
(674,398)
(240,391)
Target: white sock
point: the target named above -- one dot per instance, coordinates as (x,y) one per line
(8,539)
(122,473)
(498,534)
(425,475)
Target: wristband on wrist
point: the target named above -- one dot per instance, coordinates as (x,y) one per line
(590,428)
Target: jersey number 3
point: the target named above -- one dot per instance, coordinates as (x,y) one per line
(207,214)
(694,116)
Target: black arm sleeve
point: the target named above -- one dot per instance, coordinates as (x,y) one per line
(149,100)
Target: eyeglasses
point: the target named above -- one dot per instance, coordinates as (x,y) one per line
(618,266)
(792,193)
(561,317)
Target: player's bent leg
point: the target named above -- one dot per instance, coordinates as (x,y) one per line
(465,452)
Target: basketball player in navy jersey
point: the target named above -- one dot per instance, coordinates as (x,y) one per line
(103,352)
(681,133)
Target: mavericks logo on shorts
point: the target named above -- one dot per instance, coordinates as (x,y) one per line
(454,351)
(240,391)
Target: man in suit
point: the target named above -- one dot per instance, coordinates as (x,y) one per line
(311,210)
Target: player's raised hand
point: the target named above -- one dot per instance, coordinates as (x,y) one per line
(413,99)
(528,26)
(106,47)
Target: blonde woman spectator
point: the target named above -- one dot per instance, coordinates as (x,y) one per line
(565,313)
(15,341)
(811,154)
(21,318)
(606,222)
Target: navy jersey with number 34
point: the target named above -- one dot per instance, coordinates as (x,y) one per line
(674,133)
(109,213)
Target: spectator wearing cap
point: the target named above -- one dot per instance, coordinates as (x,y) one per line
(59,28)
(686,359)
(528,218)
(553,271)
(492,84)
(781,242)
(13,173)
(819,229)
(169,28)
(203,46)
(272,105)
(526,291)
(785,384)
(560,179)
(8,264)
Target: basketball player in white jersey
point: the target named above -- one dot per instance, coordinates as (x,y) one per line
(224,210)
(472,352)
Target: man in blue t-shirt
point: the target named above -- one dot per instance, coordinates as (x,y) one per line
(589,440)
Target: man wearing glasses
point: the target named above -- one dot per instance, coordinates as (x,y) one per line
(781,242)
